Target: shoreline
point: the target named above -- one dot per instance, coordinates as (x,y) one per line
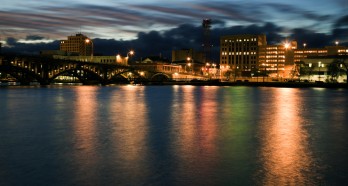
(207,83)
(256,84)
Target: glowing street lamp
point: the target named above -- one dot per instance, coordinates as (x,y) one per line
(320,65)
(189,63)
(310,70)
(130,53)
(336,42)
(89,42)
(287,45)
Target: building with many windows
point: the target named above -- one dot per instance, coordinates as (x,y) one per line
(304,53)
(240,53)
(277,60)
(78,44)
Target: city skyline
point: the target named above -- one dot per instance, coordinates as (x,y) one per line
(118,27)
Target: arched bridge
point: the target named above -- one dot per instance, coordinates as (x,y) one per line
(45,70)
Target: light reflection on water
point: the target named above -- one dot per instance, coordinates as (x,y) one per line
(85,134)
(173,135)
(285,152)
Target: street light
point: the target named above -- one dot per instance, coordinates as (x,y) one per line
(214,69)
(310,71)
(207,68)
(319,65)
(191,59)
(339,75)
(264,71)
(130,53)
(235,72)
(89,41)
(336,42)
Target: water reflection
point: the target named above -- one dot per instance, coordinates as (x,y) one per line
(195,116)
(129,117)
(84,127)
(285,152)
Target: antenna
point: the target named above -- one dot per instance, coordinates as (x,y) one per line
(206,24)
(0,45)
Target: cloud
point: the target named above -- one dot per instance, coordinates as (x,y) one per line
(297,11)
(34,37)
(342,22)
(11,41)
(162,42)
(114,20)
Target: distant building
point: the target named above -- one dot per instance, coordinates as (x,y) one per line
(183,54)
(304,53)
(318,68)
(278,60)
(240,53)
(80,44)
(189,58)
(157,63)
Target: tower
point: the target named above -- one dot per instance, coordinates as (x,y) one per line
(206,24)
(0,45)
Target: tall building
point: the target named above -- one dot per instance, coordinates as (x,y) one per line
(240,52)
(278,60)
(79,44)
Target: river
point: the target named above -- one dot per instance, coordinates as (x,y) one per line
(173,135)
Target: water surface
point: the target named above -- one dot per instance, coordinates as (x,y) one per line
(173,135)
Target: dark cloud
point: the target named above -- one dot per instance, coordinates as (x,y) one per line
(294,10)
(312,39)
(186,36)
(342,22)
(34,37)
(11,41)
(13,46)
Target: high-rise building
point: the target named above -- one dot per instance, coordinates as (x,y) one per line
(79,44)
(278,60)
(240,52)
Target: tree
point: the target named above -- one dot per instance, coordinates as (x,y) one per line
(336,68)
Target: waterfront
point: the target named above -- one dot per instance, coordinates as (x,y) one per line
(173,135)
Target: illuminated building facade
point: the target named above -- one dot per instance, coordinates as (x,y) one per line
(304,53)
(240,53)
(188,56)
(79,44)
(277,60)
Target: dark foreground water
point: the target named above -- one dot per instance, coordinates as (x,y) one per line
(173,135)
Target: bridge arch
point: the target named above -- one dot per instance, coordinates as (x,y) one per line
(21,74)
(160,77)
(85,76)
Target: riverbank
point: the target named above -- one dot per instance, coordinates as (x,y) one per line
(211,83)
(256,84)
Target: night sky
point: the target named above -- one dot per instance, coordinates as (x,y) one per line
(154,27)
